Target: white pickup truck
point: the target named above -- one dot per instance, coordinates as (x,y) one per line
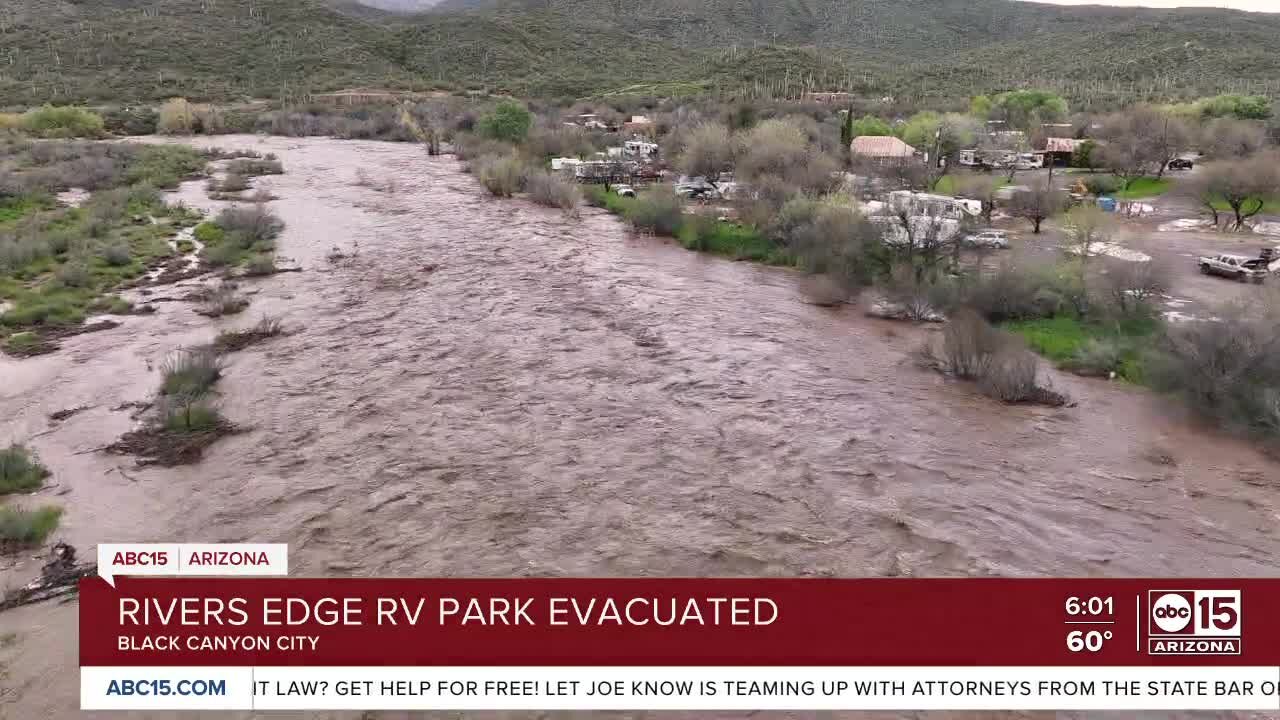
(1238,267)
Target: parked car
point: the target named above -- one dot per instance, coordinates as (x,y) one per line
(995,239)
(1237,267)
(624,191)
(1181,164)
(697,192)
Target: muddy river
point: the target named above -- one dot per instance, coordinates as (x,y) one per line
(488,388)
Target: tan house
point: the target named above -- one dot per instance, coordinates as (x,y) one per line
(882,149)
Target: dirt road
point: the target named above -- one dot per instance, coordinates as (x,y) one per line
(488,388)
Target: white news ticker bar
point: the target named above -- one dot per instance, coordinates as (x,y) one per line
(549,688)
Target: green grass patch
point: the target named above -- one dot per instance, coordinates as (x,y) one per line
(1090,347)
(1144,187)
(739,242)
(20,470)
(27,528)
(164,166)
(15,208)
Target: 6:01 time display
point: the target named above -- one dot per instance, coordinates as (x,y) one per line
(1090,606)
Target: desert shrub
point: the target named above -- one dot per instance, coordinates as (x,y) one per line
(260,265)
(20,528)
(209,120)
(561,141)
(222,300)
(916,297)
(116,255)
(502,176)
(65,121)
(253,223)
(253,167)
(1229,370)
(187,414)
(1011,376)
(657,210)
(1021,292)
(235,340)
(230,183)
(1131,288)
(164,166)
(1103,184)
(191,372)
(222,255)
(131,121)
(44,311)
(999,362)
(828,240)
(968,345)
(75,274)
(20,470)
(177,117)
(470,147)
(509,121)
(554,191)
(1097,357)
(771,194)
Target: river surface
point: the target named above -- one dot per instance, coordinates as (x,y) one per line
(489,388)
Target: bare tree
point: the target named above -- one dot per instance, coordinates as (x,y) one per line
(1131,286)
(1228,138)
(1088,227)
(922,240)
(1141,142)
(1242,185)
(1037,205)
(706,151)
(983,189)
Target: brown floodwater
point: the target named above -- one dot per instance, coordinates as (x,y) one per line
(488,388)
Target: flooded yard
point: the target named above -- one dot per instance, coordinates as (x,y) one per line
(477,387)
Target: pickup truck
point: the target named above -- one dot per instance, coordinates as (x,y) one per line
(1238,267)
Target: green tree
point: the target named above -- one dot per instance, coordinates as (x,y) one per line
(1241,107)
(870,125)
(980,107)
(509,121)
(1083,157)
(1025,109)
(846,129)
(941,136)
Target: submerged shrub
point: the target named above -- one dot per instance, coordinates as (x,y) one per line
(20,470)
(657,210)
(1011,375)
(1228,371)
(191,373)
(1097,358)
(223,300)
(253,167)
(21,528)
(184,414)
(502,176)
(254,222)
(554,191)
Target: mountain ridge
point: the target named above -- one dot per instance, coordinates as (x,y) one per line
(132,50)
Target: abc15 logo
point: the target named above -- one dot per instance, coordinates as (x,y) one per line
(1196,613)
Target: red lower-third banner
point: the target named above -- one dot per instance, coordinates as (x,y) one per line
(686,622)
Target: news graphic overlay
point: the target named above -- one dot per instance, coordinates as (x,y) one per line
(1195,622)
(272,643)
